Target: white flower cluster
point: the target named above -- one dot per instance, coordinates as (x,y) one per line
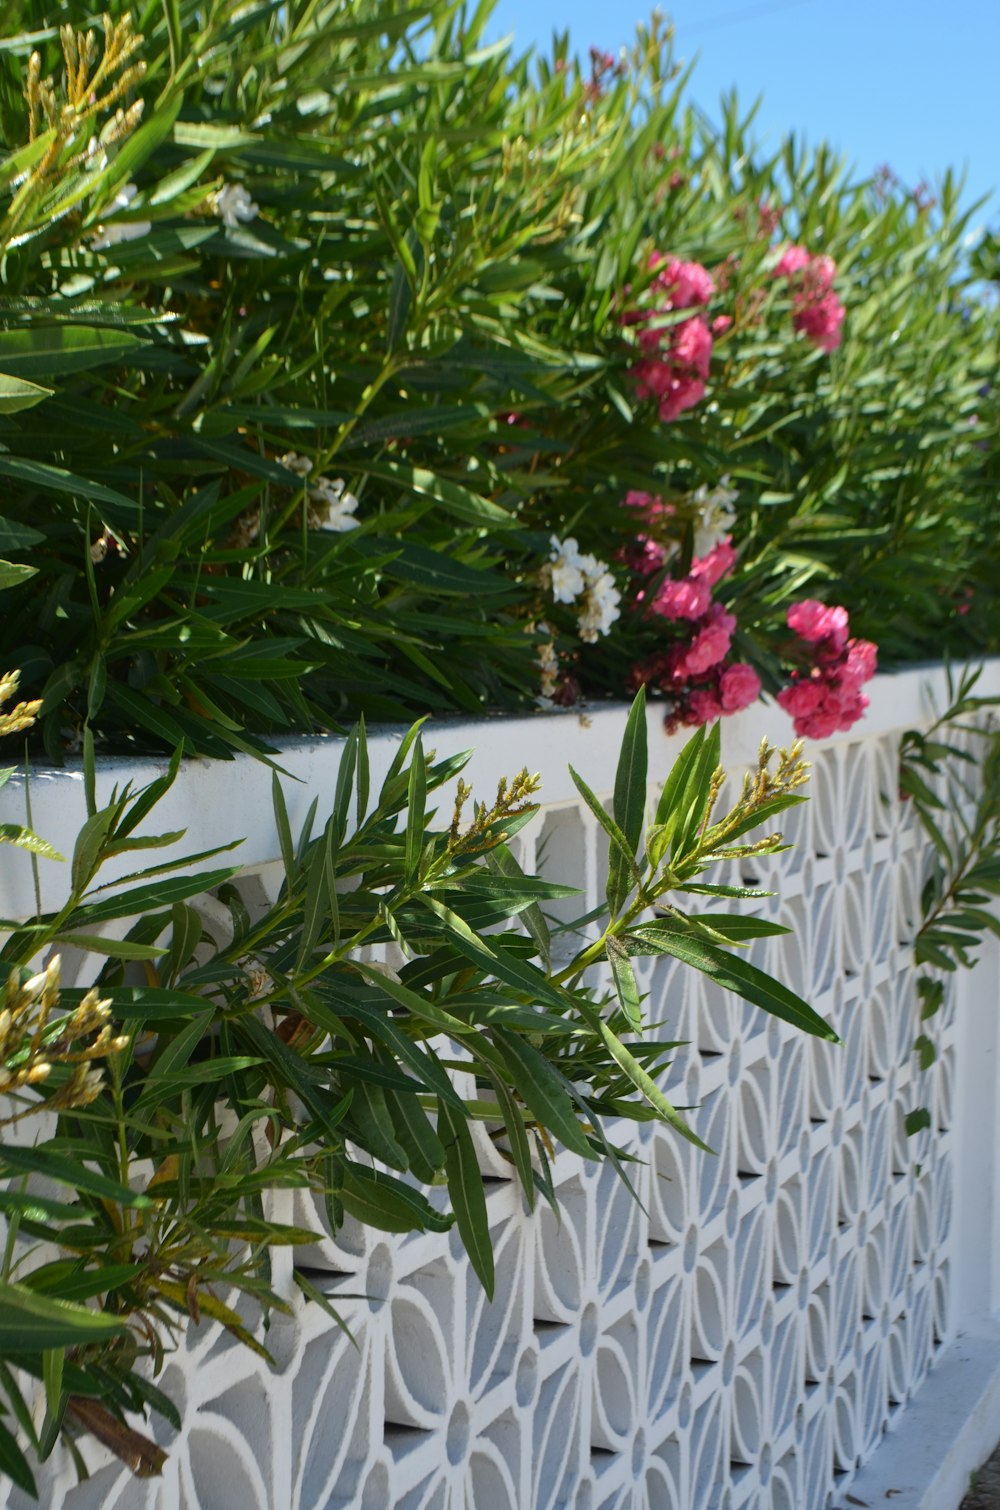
(331,506)
(715,517)
(232,204)
(576,577)
(120,230)
(548,665)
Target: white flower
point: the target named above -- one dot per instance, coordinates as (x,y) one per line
(333,505)
(715,517)
(600,605)
(232,204)
(574,574)
(330,504)
(548,665)
(565,572)
(296,463)
(124,230)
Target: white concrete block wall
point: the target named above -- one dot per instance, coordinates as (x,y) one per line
(759,1332)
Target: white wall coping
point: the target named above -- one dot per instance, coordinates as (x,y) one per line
(218,800)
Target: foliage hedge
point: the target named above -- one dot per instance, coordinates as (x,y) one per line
(361,237)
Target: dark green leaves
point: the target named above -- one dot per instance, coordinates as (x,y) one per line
(30,1321)
(468,1196)
(629,804)
(730,972)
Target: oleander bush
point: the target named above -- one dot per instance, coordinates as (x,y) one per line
(352,365)
(214,1056)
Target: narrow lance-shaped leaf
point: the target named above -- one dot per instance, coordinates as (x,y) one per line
(468,1197)
(625,982)
(619,844)
(731,972)
(541,1087)
(415,810)
(629,804)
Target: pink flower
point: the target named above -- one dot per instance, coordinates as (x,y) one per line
(711,643)
(820,321)
(813,621)
(862,661)
(713,567)
(819,725)
(650,503)
(687,599)
(739,686)
(820,276)
(702,706)
(644,556)
(721,324)
(653,378)
(850,708)
(817,313)
(684,393)
(793,260)
(828,697)
(802,698)
(685,283)
(692,346)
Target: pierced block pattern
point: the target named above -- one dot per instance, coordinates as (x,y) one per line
(738,1341)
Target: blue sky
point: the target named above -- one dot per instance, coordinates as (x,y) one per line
(906,82)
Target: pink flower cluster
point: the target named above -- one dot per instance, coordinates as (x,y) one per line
(719,691)
(644,555)
(677,357)
(693,671)
(690,597)
(826,695)
(817,313)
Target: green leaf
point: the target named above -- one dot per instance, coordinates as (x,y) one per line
(14,1464)
(15,536)
(625,982)
(162,893)
(46,1159)
(931,994)
(543,1091)
(730,928)
(468,1197)
(13,573)
(504,864)
(400,300)
(16,394)
(175,35)
(30,1322)
(53,1360)
(416,808)
(619,844)
(53,350)
(46,478)
(417,1135)
(283,827)
(383,1201)
(294,1072)
(23,838)
(112,948)
(643,1081)
(730,972)
(925,1051)
(88,850)
(461,502)
(520,1148)
(692,800)
(916,1121)
(629,804)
